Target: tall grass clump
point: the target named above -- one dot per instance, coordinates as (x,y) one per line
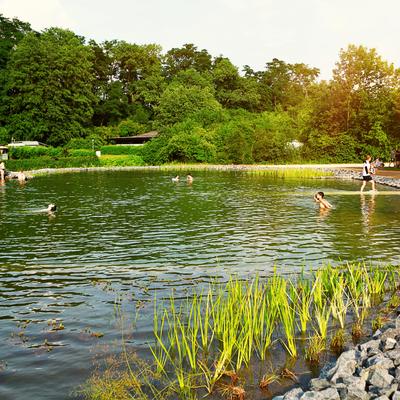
(292,173)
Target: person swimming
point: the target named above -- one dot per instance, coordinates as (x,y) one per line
(323,204)
(189,178)
(176,179)
(51,208)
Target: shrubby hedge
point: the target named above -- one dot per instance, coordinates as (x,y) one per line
(119,150)
(48,162)
(121,161)
(26,152)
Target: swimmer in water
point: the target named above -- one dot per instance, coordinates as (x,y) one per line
(323,204)
(21,176)
(51,208)
(176,179)
(189,178)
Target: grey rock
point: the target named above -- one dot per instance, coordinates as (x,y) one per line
(345,365)
(380,378)
(382,398)
(278,398)
(394,355)
(379,361)
(318,384)
(392,332)
(327,369)
(397,374)
(387,391)
(371,344)
(396,395)
(327,394)
(356,391)
(293,394)
(377,334)
(387,344)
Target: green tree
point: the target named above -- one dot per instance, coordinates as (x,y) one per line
(362,85)
(49,87)
(11,32)
(179,102)
(232,90)
(186,57)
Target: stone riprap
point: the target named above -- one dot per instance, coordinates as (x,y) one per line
(366,372)
(349,174)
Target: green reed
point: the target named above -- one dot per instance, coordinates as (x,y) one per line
(223,328)
(292,173)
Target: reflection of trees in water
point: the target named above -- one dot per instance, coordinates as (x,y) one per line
(367,210)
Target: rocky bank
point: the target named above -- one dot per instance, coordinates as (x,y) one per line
(348,174)
(368,371)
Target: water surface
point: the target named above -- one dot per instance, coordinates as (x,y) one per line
(129,235)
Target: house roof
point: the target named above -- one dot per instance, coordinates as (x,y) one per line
(147,135)
(138,139)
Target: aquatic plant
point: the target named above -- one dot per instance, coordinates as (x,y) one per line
(316,346)
(338,341)
(292,173)
(202,340)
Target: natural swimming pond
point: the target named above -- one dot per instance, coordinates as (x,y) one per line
(129,235)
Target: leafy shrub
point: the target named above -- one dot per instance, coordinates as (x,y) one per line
(81,153)
(121,161)
(48,162)
(28,152)
(89,142)
(184,142)
(118,150)
(130,128)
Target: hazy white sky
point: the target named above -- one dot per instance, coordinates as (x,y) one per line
(247,31)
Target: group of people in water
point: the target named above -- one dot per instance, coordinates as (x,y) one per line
(369,169)
(189,178)
(6,174)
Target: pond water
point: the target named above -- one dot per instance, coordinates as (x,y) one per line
(120,237)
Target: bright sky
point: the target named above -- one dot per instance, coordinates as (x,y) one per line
(247,31)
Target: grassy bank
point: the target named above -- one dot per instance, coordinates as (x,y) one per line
(202,344)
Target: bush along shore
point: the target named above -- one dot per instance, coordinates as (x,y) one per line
(212,341)
(368,371)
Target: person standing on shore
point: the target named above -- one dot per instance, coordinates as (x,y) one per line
(366,174)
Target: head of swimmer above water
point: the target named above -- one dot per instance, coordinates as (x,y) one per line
(319,195)
(51,207)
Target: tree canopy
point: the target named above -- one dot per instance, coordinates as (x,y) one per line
(56,86)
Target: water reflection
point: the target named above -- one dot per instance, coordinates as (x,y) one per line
(367,210)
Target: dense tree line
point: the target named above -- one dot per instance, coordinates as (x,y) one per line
(58,88)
